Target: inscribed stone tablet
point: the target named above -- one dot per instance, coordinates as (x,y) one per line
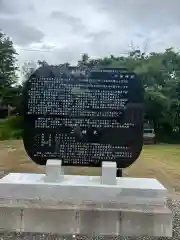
(83,118)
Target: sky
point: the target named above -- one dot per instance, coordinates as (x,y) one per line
(61,31)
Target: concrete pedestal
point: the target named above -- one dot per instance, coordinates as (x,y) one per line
(86,205)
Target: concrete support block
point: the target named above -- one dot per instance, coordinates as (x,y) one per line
(50,221)
(54,171)
(150,223)
(108,173)
(99,222)
(11,219)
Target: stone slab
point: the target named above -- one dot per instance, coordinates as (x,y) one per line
(80,189)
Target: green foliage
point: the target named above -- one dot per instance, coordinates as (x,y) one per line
(14,122)
(7,69)
(11,128)
(27,70)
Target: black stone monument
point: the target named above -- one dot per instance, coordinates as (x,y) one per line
(83,118)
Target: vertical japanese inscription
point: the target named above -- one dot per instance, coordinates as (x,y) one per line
(83,120)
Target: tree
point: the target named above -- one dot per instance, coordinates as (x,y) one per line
(86,63)
(42,63)
(27,70)
(7,69)
(7,61)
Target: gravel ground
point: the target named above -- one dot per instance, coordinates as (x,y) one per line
(174,205)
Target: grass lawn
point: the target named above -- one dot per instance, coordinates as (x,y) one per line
(157,161)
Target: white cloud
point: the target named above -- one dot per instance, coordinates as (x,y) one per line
(65,29)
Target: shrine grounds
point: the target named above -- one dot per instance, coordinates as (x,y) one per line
(157,161)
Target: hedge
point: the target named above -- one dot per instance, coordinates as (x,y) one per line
(11,128)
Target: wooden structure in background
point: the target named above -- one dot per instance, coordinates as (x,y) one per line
(7,111)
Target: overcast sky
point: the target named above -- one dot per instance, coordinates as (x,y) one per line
(64,29)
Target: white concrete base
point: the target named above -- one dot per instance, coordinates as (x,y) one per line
(87,205)
(75,221)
